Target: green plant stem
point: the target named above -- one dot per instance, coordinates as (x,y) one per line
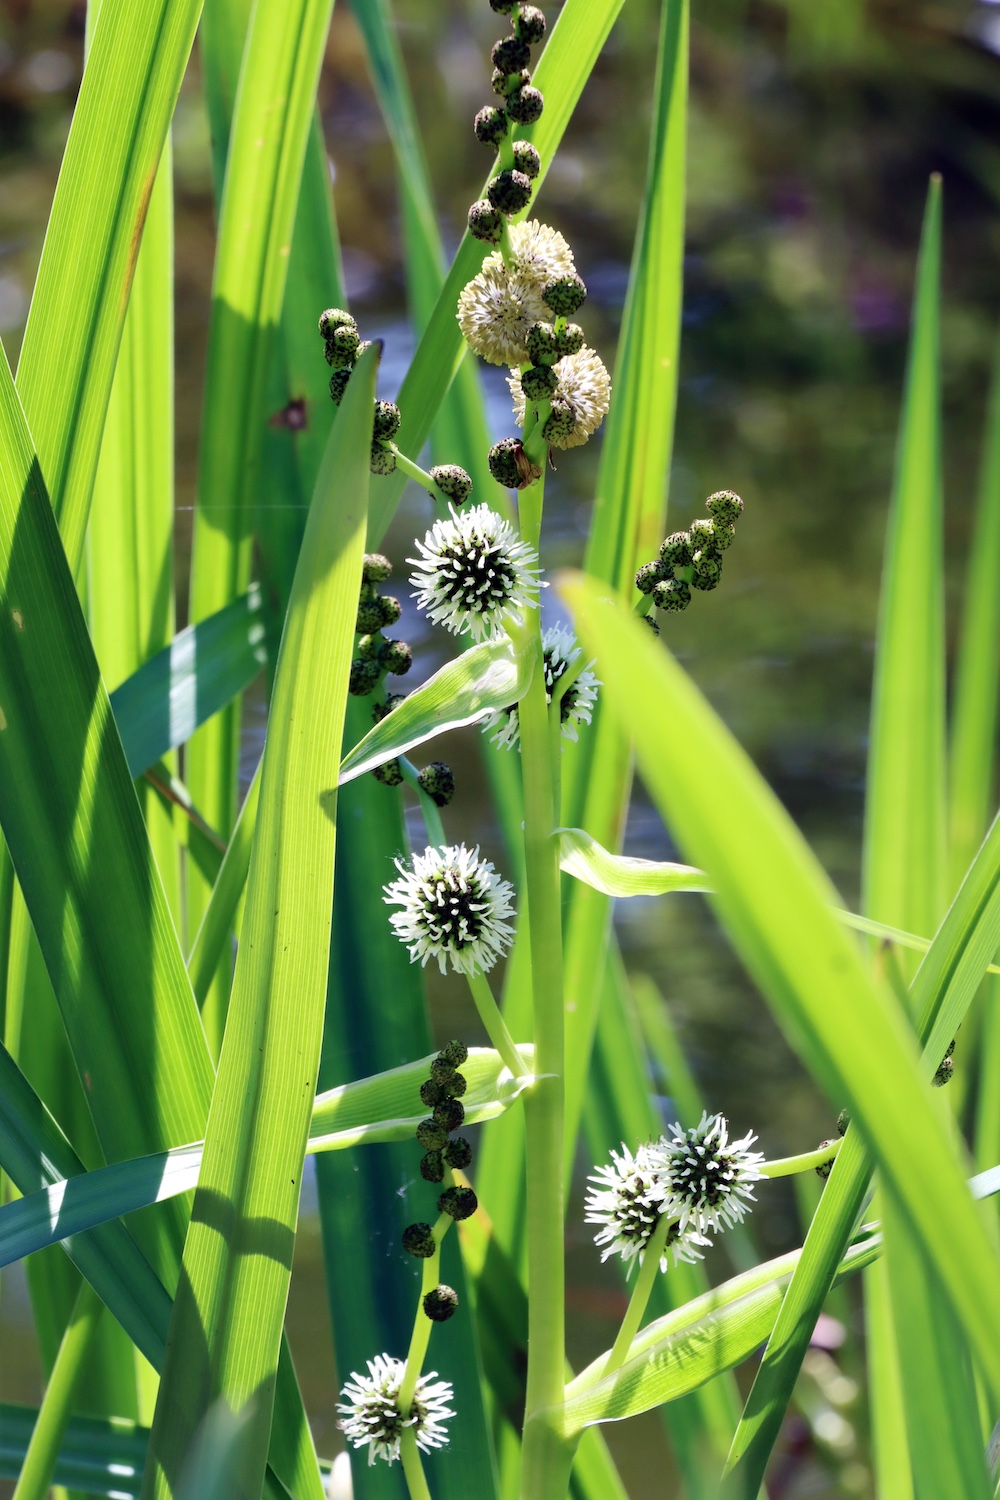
(57,1404)
(640,1296)
(507,153)
(421,1335)
(413,1469)
(496,1026)
(428,808)
(418,475)
(506,248)
(786,1166)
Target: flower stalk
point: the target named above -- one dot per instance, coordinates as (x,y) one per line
(639,1299)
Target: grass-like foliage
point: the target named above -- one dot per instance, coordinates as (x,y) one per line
(203,990)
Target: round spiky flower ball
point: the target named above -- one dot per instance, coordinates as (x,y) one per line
(369,1412)
(576,707)
(496,309)
(709,1177)
(473,571)
(453,906)
(539,252)
(627,1200)
(584,388)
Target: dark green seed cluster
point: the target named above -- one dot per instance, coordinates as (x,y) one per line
(441,1092)
(825,1167)
(343,346)
(453,482)
(946,1071)
(522,104)
(375,656)
(441,1303)
(696,554)
(511,466)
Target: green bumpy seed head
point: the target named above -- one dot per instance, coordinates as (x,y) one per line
(430,1093)
(502,83)
(531,25)
(438,781)
(449,1114)
(565,296)
(502,7)
(380,710)
(432,1167)
(541,344)
(672,593)
(418,1240)
(538,382)
(440,1304)
(376,568)
(707,571)
(569,340)
(431,1135)
(369,619)
(490,125)
(676,551)
(395,657)
(725,506)
(843,1121)
(503,462)
(648,576)
(342,346)
(527,159)
(459,1202)
(510,191)
(386,421)
(526,104)
(648,620)
(453,481)
(945,1073)
(703,537)
(369,647)
(559,423)
(338,384)
(724,535)
(442,1073)
(510,54)
(334,318)
(485,222)
(825,1167)
(454,1053)
(383,460)
(390,773)
(364,678)
(389,610)
(458,1153)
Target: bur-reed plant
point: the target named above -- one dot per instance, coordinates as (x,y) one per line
(139,1064)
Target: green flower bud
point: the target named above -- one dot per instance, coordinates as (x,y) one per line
(676,551)
(502,7)
(510,191)
(565,296)
(672,593)
(442,1072)
(338,384)
(648,620)
(560,422)
(395,657)
(490,125)
(725,506)
(648,576)
(460,1202)
(431,1135)
(368,647)
(843,1120)
(438,781)
(527,159)
(452,481)
(530,25)
(456,1086)
(510,54)
(342,346)
(825,1167)
(946,1071)
(390,773)
(542,346)
(442,1303)
(376,568)
(707,571)
(569,340)
(525,105)
(387,420)
(334,318)
(455,1053)
(382,460)
(369,619)
(485,222)
(389,610)
(418,1240)
(503,462)
(724,535)
(432,1167)
(364,678)
(430,1093)
(538,382)
(703,537)
(458,1153)
(449,1114)
(501,83)
(380,710)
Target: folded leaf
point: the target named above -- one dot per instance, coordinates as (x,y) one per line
(486,677)
(619,874)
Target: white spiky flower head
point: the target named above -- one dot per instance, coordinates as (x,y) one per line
(498,306)
(473,571)
(559,652)
(584,387)
(454,906)
(709,1177)
(369,1412)
(627,1200)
